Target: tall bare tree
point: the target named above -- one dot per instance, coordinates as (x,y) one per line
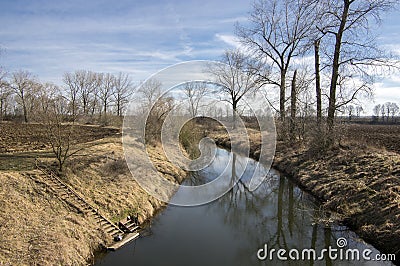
(88,81)
(317,68)
(149,92)
(106,91)
(237,77)
(21,84)
(123,89)
(354,51)
(73,83)
(156,105)
(5,93)
(293,108)
(359,110)
(383,112)
(377,110)
(394,109)
(195,91)
(278,32)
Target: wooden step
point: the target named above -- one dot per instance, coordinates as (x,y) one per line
(112,231)
(66,193)
(128,238)
(133,228)
(108,226)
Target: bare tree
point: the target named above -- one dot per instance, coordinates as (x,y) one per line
(350,111)
(391,109)
(123,89)
(354,51)
(318,80)
(278,32)
(150,91)
(156,105)
(5,93)
(300,102)
(53,111)
(236,77)
(21,84)
(394,109)
(388,107)
(377,110)
(383,112)
(359,110)
(81,87)
(89,81)
(105,92)
(73,82)
(195,91)
(293,109)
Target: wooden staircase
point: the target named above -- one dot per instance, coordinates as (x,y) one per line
(68,194)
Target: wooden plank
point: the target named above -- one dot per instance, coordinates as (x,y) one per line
(128,238)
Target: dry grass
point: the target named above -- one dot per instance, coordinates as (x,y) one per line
(359,181)
(36,228)
(363,185)
(102,176)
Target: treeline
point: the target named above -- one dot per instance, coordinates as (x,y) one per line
(318,56)
(388,109)
(85,96)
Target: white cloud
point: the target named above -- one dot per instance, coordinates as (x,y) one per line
(229,39)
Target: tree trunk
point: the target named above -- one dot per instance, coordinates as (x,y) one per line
(85,103)
(282,95)
(119,113)
(25,112)
(73,102)
(317,81)
(234,107)
(1,109)
(335,69)
(293,100)
(105,113)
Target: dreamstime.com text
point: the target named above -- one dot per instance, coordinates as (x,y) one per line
(341,253)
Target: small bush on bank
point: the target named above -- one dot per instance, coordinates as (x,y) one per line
(116,167)
(189,137)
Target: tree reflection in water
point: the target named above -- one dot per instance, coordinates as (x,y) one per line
(277,213)
(231,229)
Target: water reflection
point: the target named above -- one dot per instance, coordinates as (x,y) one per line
(230,230)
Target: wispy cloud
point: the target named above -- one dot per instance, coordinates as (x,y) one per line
(49,38)
(229,39)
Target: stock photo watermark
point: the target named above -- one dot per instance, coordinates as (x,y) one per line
(153,98)
(341,253)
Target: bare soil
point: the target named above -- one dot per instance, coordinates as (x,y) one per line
(380,136)
(21,137)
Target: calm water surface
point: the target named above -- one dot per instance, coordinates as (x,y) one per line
(230,230)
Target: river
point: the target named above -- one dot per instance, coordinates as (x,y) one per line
(240,224)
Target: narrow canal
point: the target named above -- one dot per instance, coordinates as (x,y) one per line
(232,229)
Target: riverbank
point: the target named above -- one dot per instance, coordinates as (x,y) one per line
(358,182)
(38,228)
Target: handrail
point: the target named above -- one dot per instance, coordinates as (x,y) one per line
(47,171)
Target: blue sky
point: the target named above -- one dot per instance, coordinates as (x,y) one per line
(50,38)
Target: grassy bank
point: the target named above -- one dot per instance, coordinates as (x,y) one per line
(360,183)
(38,228)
